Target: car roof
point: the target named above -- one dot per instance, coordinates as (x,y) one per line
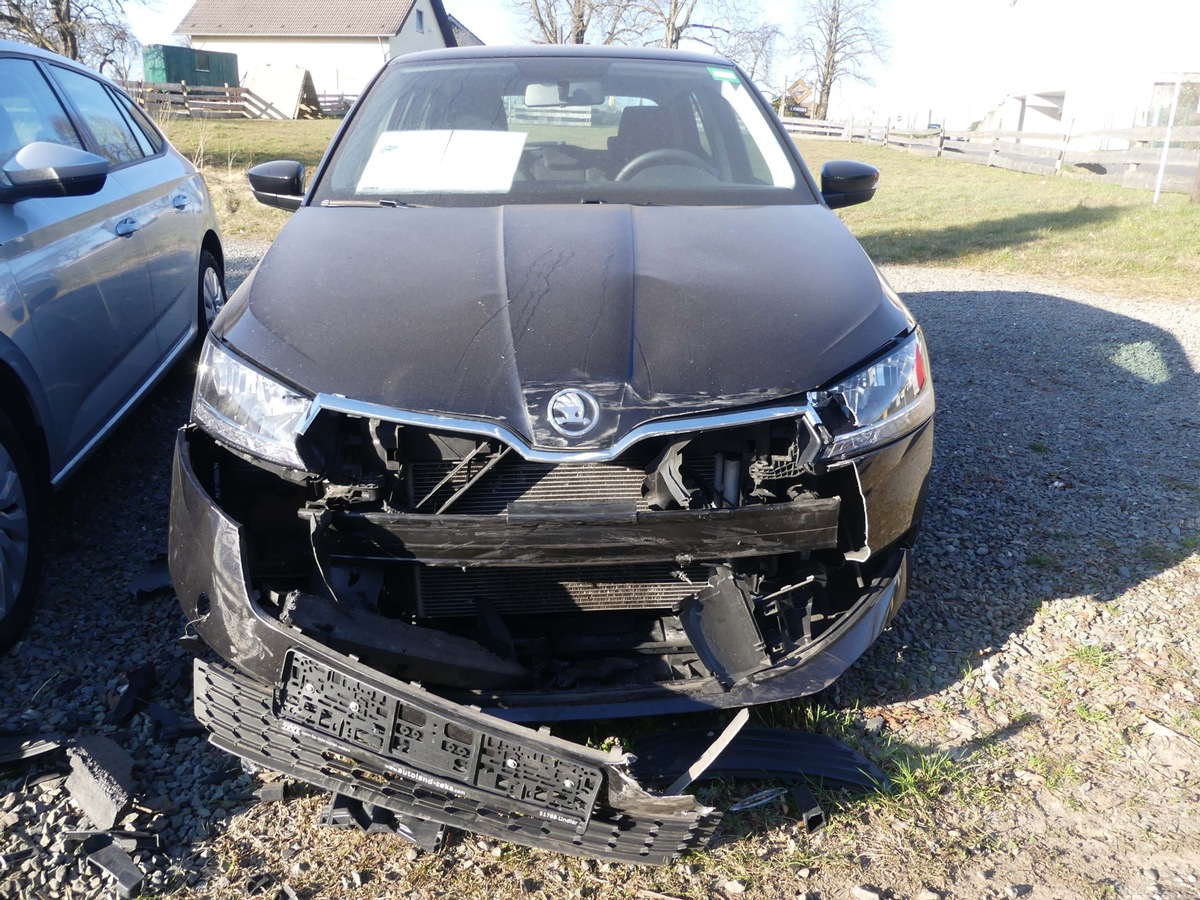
(545,51)
(36,52)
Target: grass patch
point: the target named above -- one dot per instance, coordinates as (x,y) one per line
(1058,772)
(238,213)
(1039,447)
(1045,561)
(1091,713)
(1162,557)
(955,214)
(1055,688)
(241,143)
(1092,655)
(1179,484)
(920,779)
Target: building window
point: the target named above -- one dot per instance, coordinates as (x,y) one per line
(202,61)
(420,22)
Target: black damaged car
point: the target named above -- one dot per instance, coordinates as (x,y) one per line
(563,394)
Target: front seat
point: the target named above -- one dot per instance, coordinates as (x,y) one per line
(641,129)
(478,112)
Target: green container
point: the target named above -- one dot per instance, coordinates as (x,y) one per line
(162,64)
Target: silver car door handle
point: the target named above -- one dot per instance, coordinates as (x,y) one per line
(126,227)
(180,201)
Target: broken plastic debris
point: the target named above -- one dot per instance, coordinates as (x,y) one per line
(152,579)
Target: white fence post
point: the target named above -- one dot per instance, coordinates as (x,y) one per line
(1162,162)
(1062,153)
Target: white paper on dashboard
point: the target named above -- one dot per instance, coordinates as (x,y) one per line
(417,162)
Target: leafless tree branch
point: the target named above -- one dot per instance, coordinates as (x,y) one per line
(95,32)
(578,21)
(733,28)
(837,39)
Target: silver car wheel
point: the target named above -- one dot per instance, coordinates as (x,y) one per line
(14,533)
(213,293)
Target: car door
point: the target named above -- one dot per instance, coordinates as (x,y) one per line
(81,271)
(167,190)
(164,197)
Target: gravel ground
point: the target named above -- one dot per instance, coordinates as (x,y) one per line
(1047,655)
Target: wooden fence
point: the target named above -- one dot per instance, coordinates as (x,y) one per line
(200,101)
(567,115)
(1129,157)
(336,105)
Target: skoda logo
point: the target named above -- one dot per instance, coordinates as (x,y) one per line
(573,412)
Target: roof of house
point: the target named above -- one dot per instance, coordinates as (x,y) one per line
(463,36)
(312,18)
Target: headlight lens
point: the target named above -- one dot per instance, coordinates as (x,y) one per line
(242,407)
(880,402)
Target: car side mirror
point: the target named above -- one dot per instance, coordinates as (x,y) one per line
(278,183)
(845,182)
(42,169)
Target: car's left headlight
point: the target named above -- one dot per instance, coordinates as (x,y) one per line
(879,403)
(247,409)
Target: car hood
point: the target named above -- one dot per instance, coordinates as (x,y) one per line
(487,312)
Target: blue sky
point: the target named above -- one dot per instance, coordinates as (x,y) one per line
(950,60)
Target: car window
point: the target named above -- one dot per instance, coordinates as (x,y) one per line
(29,111)
(147,134)
(111,128)
(561,130)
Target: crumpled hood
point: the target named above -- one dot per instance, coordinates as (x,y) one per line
(487,312)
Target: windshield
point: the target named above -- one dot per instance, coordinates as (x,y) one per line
(482,132)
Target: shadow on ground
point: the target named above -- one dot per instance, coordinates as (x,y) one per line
(920,246)
(1067,464)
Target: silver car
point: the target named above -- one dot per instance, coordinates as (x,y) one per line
(110,265)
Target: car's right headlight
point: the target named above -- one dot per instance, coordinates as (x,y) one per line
(247,409)
(879,403)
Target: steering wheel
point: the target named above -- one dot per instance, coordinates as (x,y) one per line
(665,157)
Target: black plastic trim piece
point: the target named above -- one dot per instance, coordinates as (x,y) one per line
(576,536)
(627,824)
(760,753)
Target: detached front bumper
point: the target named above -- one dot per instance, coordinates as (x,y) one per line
(394,747)
(323,718)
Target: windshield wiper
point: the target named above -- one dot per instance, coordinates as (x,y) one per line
(386,201)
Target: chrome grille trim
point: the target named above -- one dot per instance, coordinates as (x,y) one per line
(656,428)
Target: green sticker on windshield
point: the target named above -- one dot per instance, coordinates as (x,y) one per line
(724,75)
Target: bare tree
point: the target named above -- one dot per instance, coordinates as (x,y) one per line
(753,48)
(839,37)
(95,32)
(113,50)
(579,21)
(671,20)
(731,27)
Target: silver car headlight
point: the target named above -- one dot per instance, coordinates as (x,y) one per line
(246,409)
(880,402)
